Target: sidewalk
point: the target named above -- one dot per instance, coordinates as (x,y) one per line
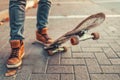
(90,60)
(3,5)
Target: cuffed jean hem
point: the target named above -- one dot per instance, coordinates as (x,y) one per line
(17,18)
(17,38)
(40,28)
(42,13)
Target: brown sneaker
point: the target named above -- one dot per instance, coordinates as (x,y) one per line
(15,59)
(42,35)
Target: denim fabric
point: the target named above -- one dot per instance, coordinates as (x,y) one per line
(17,17)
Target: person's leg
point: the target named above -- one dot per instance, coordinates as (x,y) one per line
(17,17)
(42,21)
(42,13)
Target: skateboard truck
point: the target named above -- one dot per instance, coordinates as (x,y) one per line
(55,49)
(81,33)
(93,36)
(75,40)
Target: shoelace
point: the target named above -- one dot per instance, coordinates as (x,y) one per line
(14,53)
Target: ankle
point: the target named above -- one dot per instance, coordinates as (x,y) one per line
(43,31)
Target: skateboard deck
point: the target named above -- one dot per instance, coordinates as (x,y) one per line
(4,15)
(79,33)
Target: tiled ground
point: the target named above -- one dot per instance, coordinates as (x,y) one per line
(90,60)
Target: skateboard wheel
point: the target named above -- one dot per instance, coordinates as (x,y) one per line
(50,53)
(74,40)
(96,36)
(65,49)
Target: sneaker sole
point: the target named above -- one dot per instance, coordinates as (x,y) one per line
(15,65)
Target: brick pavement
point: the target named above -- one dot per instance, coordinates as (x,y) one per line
(90,60)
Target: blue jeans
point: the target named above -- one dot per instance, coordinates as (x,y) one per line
(17,17)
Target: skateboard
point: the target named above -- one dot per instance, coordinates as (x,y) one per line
(79,33)
(4,15)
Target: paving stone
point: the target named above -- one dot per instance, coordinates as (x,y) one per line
(93,66)
(111,69)
(9,78)
(102,59)
(4,42)
(2,61)
(67,77)
(54,59)
(53,77)
(115,61)
(102,41)
(118,41)
(24,73)
(30,57)
(115,46)
(1,78)
(45,77)
(36,53)
(100,45)
(97,45)
(72,62)
(76,48)
(39,59)
(60,69)
(67,54)
(39,67)
(83,55)
(91,49)
(104,77)
(28,61)
(110,53)
(28,47)
(111,37)
(81,73)
(2,72)
(5,51)
(118,53)
(84,44)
